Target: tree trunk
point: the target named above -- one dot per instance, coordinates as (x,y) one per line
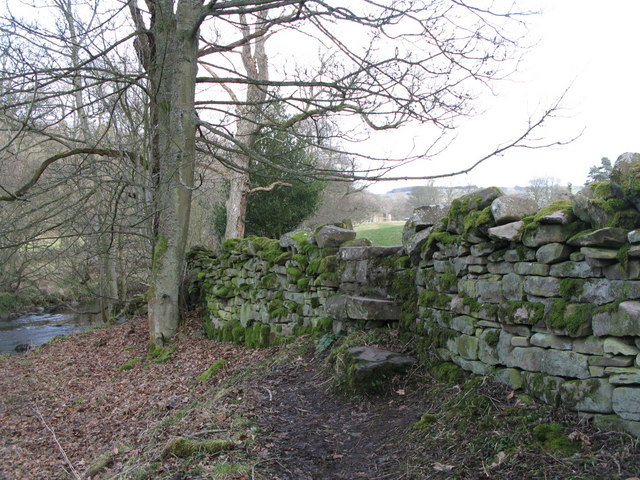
(256,64)
(173,85)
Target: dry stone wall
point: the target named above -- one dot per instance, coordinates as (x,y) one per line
(259,291)
(547,301)
(544,300)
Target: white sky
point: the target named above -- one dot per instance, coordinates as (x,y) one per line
(588,44)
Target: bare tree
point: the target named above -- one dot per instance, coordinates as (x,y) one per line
(545,190)
(405,62)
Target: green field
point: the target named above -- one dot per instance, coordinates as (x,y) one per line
(381,234)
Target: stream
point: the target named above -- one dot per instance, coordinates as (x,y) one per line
(37,328)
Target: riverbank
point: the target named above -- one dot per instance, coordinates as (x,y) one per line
(96,405)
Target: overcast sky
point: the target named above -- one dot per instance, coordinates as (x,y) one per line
(590,45)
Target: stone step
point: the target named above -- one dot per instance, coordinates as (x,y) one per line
(345,307)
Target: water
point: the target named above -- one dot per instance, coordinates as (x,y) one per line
(37,328)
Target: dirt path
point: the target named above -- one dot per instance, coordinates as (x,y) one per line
(314,434)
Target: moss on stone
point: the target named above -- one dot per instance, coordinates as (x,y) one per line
(445,238)
(448,372)
(564,206)
(602,189)
(572,319)
(211,371)
(623,256)
(492,338)
(231,245)
(270,281)
(183,448)
(277,308)
(303,283)
(550,436)
(431,298)
(571,288)
(535,312)
(448,280)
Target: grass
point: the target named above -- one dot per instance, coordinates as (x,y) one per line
(381,234)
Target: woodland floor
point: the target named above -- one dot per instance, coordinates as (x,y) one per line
(70,410)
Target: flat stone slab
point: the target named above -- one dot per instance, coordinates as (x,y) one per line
(345,307)
(370,369)
(332,236)
(604,237)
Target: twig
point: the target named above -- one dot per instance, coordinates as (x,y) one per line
(270,394)
(55,439)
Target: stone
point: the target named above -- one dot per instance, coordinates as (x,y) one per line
(372,365)
(542,286)
(362,308)
(629,376)
(599,253)
(526,358)
(504,348)
(501,268)
(531,268)
(624,321)
(487,346)
(588,208)
(518,330)
(616,346)
(513,287)
(460,266)
(590,345)
(600,291)
(634,251)
(332,236)
(626,402)
(467,347)
(572,269)
(413,244)
(443,266)
(608,237)
(471,260)
(521,254)
(553,253)
(633,236)
(599,263)
(607,423)
(463,324)
(545,234)
(294,238)
(511,377)
(624,177)
(520,341)
(565,363)
(353,253)
(592,395)
(543,387)
(609,361)
(473,366)
(510,232)
(548,340)
(559,217)
(576,257)
(619,272)
(482,249)
(490,289)
(511,208)
(424,217)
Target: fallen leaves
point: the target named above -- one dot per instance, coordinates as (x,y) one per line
(92,407)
